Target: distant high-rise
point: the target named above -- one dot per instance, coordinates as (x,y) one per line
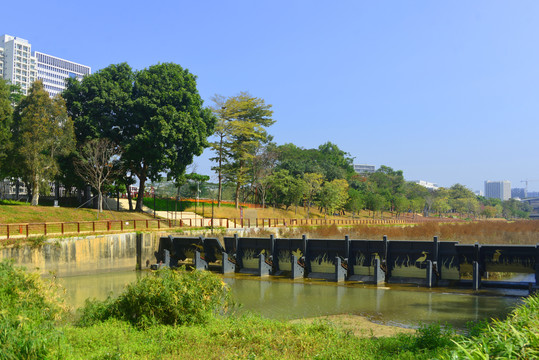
(20,66)
(498,189)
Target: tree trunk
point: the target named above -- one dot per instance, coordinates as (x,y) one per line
(99,201)
(140,197)
(35,191)
(220,190)
(237,195)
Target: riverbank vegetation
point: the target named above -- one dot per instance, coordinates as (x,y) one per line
(188,315)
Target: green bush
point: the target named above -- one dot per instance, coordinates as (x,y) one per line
(29,310)
(516,337)
(433,336)
(168,297)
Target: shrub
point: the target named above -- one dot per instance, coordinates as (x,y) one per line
(29,309)
(433,336)
(169,297)
(512,338)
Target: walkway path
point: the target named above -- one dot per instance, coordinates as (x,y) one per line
(188,217)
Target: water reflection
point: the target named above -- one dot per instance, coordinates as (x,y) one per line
(286,299)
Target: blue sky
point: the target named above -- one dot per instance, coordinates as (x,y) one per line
(447,91)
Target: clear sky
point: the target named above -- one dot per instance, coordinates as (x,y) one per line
(447,91)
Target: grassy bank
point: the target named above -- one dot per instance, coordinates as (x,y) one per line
(19,212)
(188,315)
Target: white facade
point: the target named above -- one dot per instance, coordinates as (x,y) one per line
(426,184)
(498,189)
(364,169)
(20,66)
(54,70)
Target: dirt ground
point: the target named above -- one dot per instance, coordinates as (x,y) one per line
(358,325)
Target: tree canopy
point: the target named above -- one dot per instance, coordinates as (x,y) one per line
(42,131)
(155,115)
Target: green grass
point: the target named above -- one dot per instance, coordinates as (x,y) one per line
(178,315)
(516,337)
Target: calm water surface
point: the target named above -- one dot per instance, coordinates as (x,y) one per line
(285,299)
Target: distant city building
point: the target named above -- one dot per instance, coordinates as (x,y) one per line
(478,192)
(498,189)
(518,193)
(20,66)
(532,194)
(428,185)
(364,169)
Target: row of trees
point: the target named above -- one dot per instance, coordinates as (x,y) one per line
(116,124)
(119,124)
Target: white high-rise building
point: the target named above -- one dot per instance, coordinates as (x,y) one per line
(20,66)
(498,189)
(54,70)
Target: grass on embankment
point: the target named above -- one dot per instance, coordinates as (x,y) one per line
(19,212)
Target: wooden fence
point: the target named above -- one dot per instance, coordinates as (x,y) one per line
(26,230)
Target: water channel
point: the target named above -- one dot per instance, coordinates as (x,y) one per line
(279,298)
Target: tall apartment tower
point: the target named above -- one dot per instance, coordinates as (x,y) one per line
(20,66)
(498,189)
(17,63)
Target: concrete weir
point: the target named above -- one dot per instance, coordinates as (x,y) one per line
(429,263)
(87,255)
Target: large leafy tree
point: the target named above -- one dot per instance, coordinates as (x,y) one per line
(6,112)
(42,131)
(155,115)
(245,119)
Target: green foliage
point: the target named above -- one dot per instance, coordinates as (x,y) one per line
(6,112)
(29,310)
(243,337)
(169,297)
(434,336)
(512,338)
(241,131)
(42,131)
(333,196)
(328,160)
(155,115)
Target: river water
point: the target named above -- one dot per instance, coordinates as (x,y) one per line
(279,298)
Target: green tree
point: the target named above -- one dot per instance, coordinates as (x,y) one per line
(42,131)
(401,204)
(246,118)
(156,116)
(220,146)
(356,200)
(313,184)
(281,185)
(6,112)
(333,196)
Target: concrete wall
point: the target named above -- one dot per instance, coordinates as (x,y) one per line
(86,255)
(99,253)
